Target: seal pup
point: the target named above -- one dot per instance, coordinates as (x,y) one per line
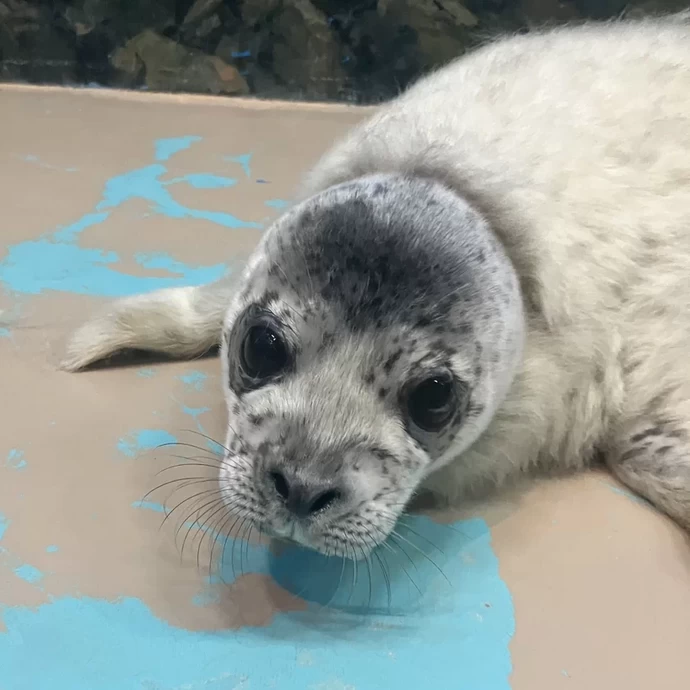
(489,276)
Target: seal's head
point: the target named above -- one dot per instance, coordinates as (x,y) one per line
(378,329)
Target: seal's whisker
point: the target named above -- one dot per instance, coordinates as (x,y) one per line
(189,481)
(230,462)
(208,438)
(186,500)
(421,536)
(240,532)
(184,444)
(201,513)
(396,536)
(216,538)
(229,536)
(211,523)
(386,576)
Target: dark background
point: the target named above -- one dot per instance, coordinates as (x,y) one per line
(360,51)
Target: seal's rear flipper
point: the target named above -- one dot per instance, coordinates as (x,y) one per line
(178,322)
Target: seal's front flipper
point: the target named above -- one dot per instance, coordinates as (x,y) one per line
(178,322)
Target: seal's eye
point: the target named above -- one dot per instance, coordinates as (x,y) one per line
(432,403)
(264,353)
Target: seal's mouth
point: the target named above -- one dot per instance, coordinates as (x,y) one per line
(290,535)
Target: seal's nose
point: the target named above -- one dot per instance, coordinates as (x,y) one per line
(301,499)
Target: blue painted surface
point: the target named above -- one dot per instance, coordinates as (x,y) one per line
(166,148)
(16,460)
(149,505)
(464,629)
(142,440)
(194,380)
(204,181)
(29,574)
(5,333)
(244,161)
(57,262)
(463,624)
(52,549)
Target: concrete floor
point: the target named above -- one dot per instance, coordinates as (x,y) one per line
(573,584)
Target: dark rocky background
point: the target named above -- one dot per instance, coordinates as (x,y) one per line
(359,51)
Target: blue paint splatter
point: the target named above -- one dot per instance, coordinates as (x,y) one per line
(464,641)
(241,54)
(146,373)
(29,574)
(4,524)
(55,262)
(145,439)
(166,148)
(33,267)
(194,379)
(244,161)
(16,460)
(204,181)
(52,549)
(195,412)
(149,505)
(277,203)
(5,333)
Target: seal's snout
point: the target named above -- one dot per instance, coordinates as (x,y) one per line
(303,499)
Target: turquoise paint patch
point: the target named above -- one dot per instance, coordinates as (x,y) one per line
(195,380)
(145,183)
(29,574)
(277,203)
(5,333)
(149,505)
(145,439)
(195,412)
(4,524)
(36,266)
(244,161)
(52,549)
(15,459)
(463,632)
(146,373)
(167,148)
(204,181)
(55,261)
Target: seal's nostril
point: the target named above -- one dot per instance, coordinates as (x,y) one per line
(324,500)
(280,483)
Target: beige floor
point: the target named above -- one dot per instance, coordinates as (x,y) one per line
(574,584)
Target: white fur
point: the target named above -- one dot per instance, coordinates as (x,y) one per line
(575,145)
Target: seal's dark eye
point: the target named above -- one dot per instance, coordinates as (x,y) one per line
(264,353)
(432,403)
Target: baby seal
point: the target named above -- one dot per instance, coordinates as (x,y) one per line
(490,275)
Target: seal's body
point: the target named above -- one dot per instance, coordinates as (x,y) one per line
(490,275)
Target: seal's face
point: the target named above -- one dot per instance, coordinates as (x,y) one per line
(378,330)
